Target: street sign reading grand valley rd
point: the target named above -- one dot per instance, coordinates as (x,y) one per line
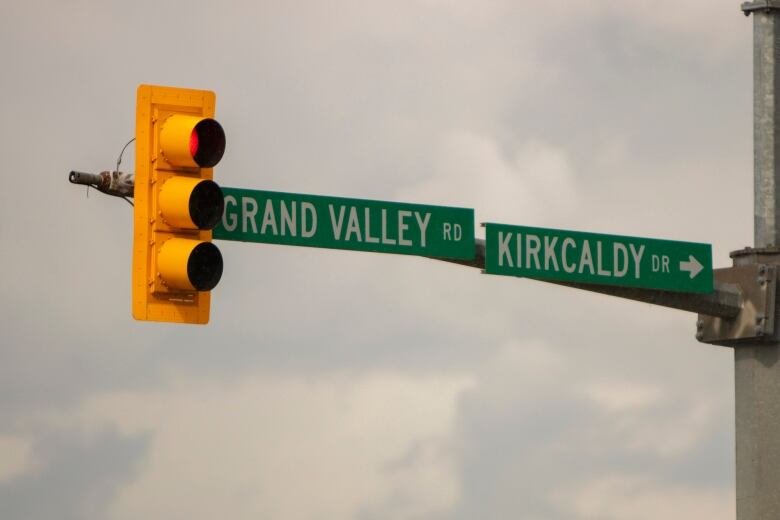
(573,256)
(340,223)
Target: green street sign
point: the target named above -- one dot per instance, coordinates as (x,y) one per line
(339,223)
(573,256)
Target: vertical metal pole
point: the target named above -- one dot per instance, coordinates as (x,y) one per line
(756,367)
(765,131)
(757,385)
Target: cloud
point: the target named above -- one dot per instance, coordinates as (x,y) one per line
(617,396)
(715,35)
(617,497)
(15,456)
(343,446)
(645,418)
(537,434)
(75,477)
(534,182)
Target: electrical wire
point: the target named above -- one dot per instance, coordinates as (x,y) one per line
(113,176)
(119,159)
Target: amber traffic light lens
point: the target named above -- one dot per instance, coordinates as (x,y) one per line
(206,204)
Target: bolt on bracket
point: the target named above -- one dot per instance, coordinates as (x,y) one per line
(756,319)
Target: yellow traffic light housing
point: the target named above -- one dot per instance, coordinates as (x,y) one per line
(177,204)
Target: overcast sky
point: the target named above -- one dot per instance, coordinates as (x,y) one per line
(347,385)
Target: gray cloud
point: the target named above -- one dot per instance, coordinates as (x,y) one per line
(75,476)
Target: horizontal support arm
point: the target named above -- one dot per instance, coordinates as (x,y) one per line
(118,184)
(724,302)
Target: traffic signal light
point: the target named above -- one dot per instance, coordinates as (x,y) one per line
(177,204)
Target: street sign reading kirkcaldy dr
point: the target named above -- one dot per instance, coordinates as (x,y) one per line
(341,223)
(573,256)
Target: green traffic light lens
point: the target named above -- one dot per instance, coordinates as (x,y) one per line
(204,266)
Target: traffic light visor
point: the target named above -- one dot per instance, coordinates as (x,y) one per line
(188,264)
(191,202)
(192,141)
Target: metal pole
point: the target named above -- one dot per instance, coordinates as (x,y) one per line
(756,367)
(116,183)
(765,112)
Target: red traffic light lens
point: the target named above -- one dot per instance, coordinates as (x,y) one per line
(193,143)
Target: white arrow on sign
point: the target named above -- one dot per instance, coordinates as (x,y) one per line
(692,266)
